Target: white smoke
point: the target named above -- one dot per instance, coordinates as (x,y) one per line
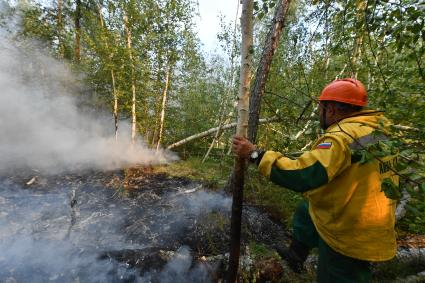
(41,125)
(179,270)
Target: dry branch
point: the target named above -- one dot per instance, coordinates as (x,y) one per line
(213,130)
(406,128)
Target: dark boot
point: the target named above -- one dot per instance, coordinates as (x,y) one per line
(295,255)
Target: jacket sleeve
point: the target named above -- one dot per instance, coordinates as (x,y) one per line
(315,168)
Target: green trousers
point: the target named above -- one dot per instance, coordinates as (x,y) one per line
(333,267)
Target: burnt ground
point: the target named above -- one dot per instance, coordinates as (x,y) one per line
(118,226)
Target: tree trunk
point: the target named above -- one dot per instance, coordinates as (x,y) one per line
(213,130)
(77,47)
(264,66)
(114,91)
(216,138)
(361,6)
(60,30)
(133,81)
(307,125)
(164,103)
(241,130)
(158,102)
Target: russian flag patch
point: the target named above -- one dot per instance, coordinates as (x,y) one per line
(324,145)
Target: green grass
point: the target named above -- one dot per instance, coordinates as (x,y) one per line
(259,192)
(213,173)
(259,251)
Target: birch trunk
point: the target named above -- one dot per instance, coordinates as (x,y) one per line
(263,70)
(241,130)
(214,130)
(158,102)
(77,47)
(133,81)
(60,30)
(164,103)
(114,92)
(360,10)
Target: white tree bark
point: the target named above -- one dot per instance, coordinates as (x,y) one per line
(114,92)
(246,65)
(60,29)
(241,130)
(213,130)
(133,81)
(307,125)
(164,103)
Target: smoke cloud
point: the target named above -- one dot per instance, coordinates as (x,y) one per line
(43,239)
(179,269)
(42,124)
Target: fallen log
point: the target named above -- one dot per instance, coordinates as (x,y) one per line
(213,130)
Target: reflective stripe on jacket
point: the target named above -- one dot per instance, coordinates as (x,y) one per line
(350,212)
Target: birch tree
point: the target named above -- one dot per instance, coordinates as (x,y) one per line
(60,29)
(241,130)
(164,103)
(110,63)
(77,23)
(133,78)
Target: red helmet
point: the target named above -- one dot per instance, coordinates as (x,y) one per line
(349,91)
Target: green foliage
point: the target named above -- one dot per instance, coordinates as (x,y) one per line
(259,251)
(261,8)
(390,189)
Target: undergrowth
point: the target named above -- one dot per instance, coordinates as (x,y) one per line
(280,204)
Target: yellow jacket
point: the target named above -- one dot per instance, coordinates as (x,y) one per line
(346,204)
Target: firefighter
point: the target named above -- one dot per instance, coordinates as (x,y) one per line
(345,214)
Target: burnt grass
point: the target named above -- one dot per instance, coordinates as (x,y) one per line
(132,218)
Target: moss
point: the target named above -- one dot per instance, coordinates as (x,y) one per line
(260,251)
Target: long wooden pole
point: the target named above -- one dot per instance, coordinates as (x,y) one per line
(241,130)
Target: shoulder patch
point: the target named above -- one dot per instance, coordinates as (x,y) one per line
(324,145)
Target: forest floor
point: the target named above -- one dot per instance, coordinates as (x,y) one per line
(166,223)
(280,204)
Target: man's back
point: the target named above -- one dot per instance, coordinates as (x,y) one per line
(351,213)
